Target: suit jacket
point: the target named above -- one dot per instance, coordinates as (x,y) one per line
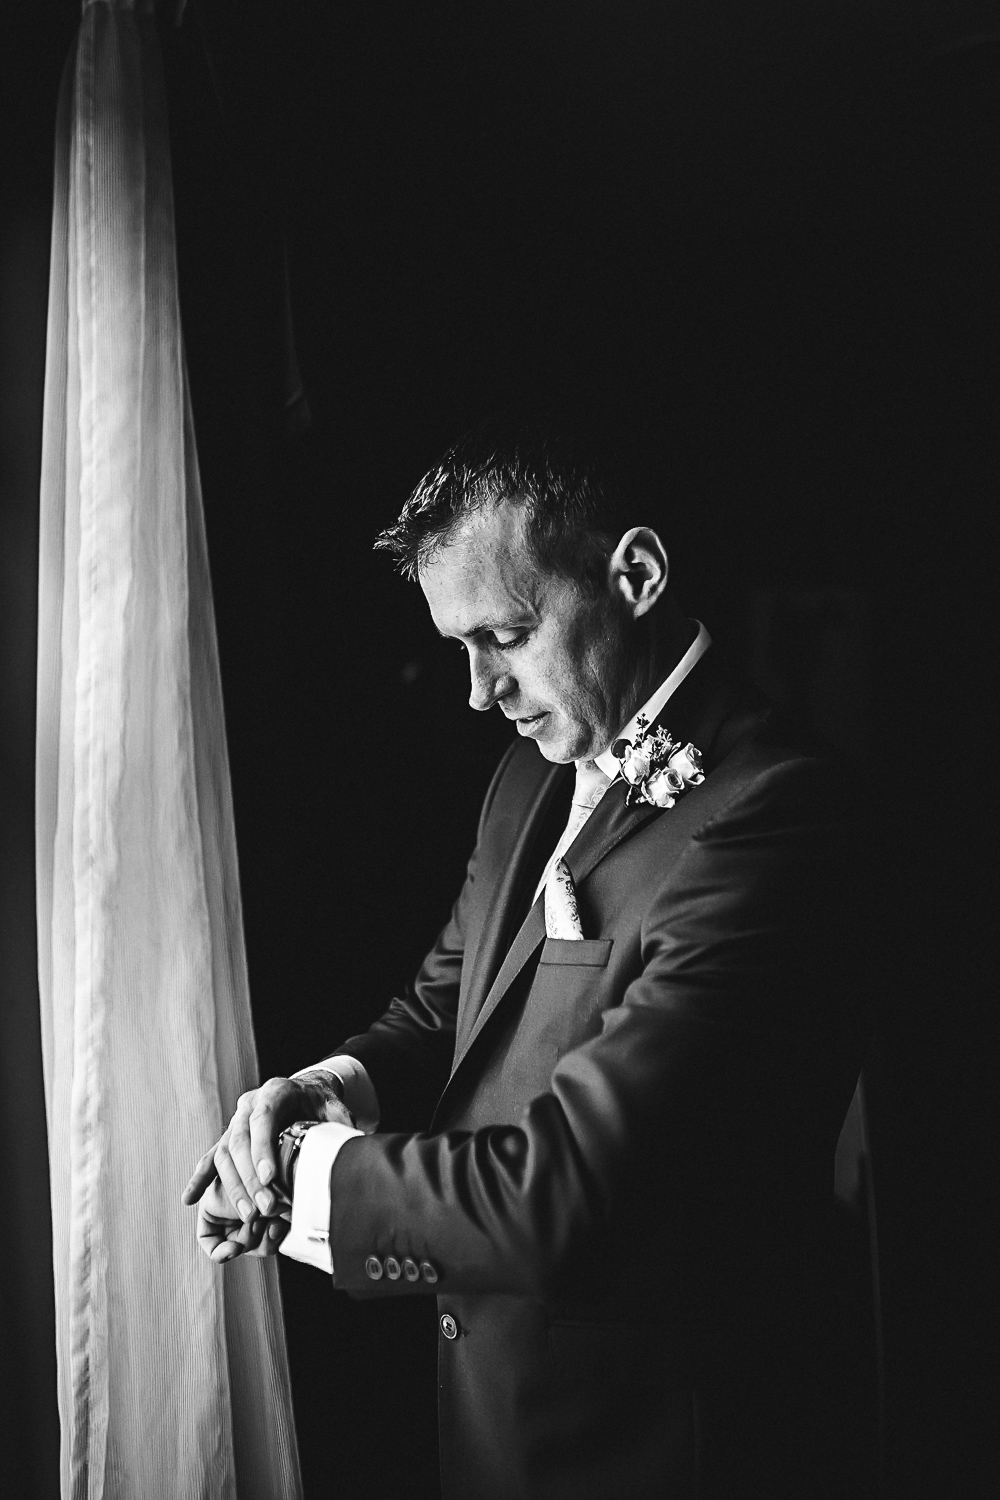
(617,1153)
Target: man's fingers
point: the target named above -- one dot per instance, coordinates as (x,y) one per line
(266,1124)
(201,1177)
(252,1232)
(218,1236)
(245,1158)
(223,1238)
(275,1231)
(250,1142)
(221,1235)
(221,1248)
(254,1136)
(239,1150)
(232,1183)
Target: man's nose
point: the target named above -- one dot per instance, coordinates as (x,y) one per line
(488,684)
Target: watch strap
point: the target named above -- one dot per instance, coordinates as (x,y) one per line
(289,1143)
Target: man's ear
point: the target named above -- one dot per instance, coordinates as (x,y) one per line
(639,569)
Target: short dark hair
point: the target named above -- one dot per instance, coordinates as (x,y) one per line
(572,480)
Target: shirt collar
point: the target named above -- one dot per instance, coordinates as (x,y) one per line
(653,706)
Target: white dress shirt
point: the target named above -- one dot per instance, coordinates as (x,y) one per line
(309,1237)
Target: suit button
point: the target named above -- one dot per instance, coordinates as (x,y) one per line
(428,1272)
(449,1327)
(392,1268)
(411,1270)
(373,1267)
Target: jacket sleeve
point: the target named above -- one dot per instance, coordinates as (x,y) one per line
(408,1051)
(714,1083)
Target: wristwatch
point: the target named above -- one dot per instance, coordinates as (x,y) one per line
(289,1142)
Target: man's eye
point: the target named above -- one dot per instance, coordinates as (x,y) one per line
(513,642)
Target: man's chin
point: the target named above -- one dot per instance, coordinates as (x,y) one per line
(563,751)
(555,753)
(556,742)
(557,749)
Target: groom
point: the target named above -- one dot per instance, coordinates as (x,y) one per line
(599,1127)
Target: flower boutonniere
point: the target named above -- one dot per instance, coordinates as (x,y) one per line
(657,768)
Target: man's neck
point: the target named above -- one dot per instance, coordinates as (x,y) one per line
(664,649)
(687,648)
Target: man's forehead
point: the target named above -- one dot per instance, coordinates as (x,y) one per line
(483,576)
(490,546)
(497,527)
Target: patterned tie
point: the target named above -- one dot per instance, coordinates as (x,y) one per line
(591,784)
(562,915)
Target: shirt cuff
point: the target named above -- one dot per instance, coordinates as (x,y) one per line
(359,1091)
(308,1239)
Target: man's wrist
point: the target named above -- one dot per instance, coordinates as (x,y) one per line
(360,1101)
(322,1087)
(289,1144)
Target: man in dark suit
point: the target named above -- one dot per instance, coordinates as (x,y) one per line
(600,1126)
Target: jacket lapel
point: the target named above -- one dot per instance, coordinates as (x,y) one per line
(697,712)
(529,937)
(515,835)
(694,714)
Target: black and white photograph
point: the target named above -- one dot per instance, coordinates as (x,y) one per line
(497,858)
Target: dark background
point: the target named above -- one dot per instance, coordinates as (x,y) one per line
(771,230)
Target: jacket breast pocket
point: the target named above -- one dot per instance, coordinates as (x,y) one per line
(590,953)
(564,1006)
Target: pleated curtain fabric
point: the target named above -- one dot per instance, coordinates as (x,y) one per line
(173,1378)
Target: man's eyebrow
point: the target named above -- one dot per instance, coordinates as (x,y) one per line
(481,628)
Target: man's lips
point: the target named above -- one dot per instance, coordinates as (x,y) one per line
(527,723)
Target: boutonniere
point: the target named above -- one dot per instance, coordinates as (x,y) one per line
(657,768)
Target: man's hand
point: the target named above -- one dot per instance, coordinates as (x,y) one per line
(222,1236)
(244,1161)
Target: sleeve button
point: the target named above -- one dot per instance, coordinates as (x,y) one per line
(411,1270)
(428,1272)
(373,1267)
(392,1268)
(449,1327)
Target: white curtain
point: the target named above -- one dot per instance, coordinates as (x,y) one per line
(173,1380)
